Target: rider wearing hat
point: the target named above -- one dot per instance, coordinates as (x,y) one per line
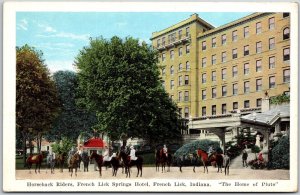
(165,150)
(132,153)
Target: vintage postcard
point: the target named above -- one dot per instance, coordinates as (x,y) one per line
(150,97)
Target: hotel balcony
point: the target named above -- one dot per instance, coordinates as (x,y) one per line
(174,42)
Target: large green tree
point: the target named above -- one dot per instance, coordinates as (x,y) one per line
(120,81)
(72,120)
(36,96)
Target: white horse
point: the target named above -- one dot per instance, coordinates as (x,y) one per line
(51,162)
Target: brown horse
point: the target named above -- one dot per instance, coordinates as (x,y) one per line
(204,158)
(73,163)
(60,159)
(218,158)
(129,163)
(35,159)
(163,159)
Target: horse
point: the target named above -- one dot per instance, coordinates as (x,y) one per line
(85,159)
(60,159)
(129,163)
(226,163)
(73,163)
(35,159)
(218,158)
(163,159)
(51,162)
(204,158)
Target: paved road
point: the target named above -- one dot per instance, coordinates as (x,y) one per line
(237,163)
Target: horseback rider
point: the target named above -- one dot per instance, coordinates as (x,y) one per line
(132,153)
(210,151)
(165,150)
(106,154)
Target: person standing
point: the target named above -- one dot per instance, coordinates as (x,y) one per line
(244,158)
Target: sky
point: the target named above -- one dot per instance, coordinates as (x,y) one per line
(61,35)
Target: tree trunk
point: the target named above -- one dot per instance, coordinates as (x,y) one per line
(124,142)
(39,142)
(24,147)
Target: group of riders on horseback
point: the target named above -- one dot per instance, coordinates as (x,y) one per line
(125,158)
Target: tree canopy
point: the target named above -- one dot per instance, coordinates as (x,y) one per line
(36,95)
(72,120)
(120,81)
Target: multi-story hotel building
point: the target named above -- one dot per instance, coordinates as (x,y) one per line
(212,71)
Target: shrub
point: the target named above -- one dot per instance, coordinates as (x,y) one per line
(280,154)
(257,164)
(191,148)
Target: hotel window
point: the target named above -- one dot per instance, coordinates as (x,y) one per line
(163,71)
(213,42)
(286,33)
(186,96)
(187,31)
(169,39)
(172,84)
(246,31)
(286,76)
(163,57)
(213,92)
(213,59)
(272,82)
(203,45)
(234,53)
(180,112)
(187,65)
(173,37)
(246,87)
(235,105)
(224,91)
(258,84)
(179,34)
(234,71)
(172,70)
(163,41)
(258,66)
(258,102)
(286,54)
(258,27)
(286,14)
(179,96)
(163,84)
(187,49)
(186,79)
(204,111)
(272,43)
(180,81)
(180,67)
(224,39)
(203,62)
(234,35)
(224,56)
(271,62)
(203,94)
(258,47)
(213,110)
(224,110)
(246,104)
(223,74)
(271,23)
(213,76)
(180,51)
(186,112)
(246,50)
(246,69)
(172,54)
(158,42)
(204,78)
(235,89)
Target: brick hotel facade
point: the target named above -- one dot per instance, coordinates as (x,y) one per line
(212,71)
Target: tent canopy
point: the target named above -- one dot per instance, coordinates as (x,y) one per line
(94,143)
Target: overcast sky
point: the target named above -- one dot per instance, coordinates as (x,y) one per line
(60,35)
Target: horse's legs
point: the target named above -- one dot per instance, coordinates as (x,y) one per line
(194,169)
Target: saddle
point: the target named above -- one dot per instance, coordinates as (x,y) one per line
(34,157)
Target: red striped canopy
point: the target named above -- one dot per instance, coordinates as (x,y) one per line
(94,143)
